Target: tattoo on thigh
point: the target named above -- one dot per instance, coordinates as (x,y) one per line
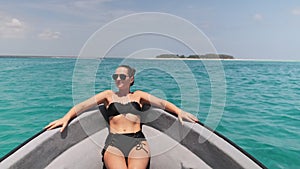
(140,146)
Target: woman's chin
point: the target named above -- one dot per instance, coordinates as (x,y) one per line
(120,86)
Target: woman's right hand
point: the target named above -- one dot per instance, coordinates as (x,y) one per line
(79,108)
(59,122)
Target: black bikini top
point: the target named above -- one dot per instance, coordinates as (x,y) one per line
(116,108)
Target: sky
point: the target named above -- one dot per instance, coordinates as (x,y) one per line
(253,29)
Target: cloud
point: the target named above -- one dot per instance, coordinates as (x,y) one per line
(296,11)
(11,27)
(14,23)
(81,11)
(72,7)
(89,3)
(49,34)
(258,17)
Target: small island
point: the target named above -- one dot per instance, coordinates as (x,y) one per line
(206,56)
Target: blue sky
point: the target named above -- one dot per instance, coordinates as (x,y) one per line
(253,29)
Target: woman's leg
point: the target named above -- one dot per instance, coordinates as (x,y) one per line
(114,158)
(139,156)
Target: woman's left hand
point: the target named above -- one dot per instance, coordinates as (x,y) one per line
(187,116)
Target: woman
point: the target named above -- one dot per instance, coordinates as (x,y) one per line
(125,146)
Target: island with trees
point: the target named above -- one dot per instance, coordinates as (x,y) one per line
(206,56)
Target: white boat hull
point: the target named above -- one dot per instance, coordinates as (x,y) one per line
(172,145)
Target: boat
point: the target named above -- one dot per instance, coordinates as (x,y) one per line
(172,145)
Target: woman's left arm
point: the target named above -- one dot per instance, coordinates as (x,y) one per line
(166,105)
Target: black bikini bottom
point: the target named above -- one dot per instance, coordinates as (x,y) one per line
(125,143)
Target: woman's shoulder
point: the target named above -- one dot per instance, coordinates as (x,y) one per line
(107,92)
(139,92)
(136,92)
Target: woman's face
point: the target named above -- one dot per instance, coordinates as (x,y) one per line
(120,82)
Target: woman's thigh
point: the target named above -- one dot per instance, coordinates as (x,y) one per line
(139,156)
(114,158)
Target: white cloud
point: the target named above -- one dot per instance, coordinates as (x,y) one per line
(296,11)
(80,11)
(49,34)
(89,3)
(14,23)
(258,17)
(11,27)
(71,7)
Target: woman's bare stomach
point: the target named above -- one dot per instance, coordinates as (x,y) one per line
(124,123)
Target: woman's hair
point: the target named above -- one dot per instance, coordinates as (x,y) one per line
(131,72)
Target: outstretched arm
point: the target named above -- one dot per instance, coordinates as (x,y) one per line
(77,109)
(166,105)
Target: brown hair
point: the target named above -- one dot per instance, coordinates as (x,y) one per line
(131,72)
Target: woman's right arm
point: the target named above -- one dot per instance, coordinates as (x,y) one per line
(77,109)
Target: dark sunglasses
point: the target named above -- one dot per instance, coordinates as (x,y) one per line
(122,76)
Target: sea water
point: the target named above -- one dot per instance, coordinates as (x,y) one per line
(257,102)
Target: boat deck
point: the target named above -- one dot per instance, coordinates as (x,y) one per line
(172,145)
(164,153)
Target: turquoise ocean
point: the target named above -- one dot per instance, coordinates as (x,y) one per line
(262,101)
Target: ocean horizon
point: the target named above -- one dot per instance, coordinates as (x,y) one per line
(146,58)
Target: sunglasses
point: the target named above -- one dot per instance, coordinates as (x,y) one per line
(122,76)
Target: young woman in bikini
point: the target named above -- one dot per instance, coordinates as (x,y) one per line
(126,145)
